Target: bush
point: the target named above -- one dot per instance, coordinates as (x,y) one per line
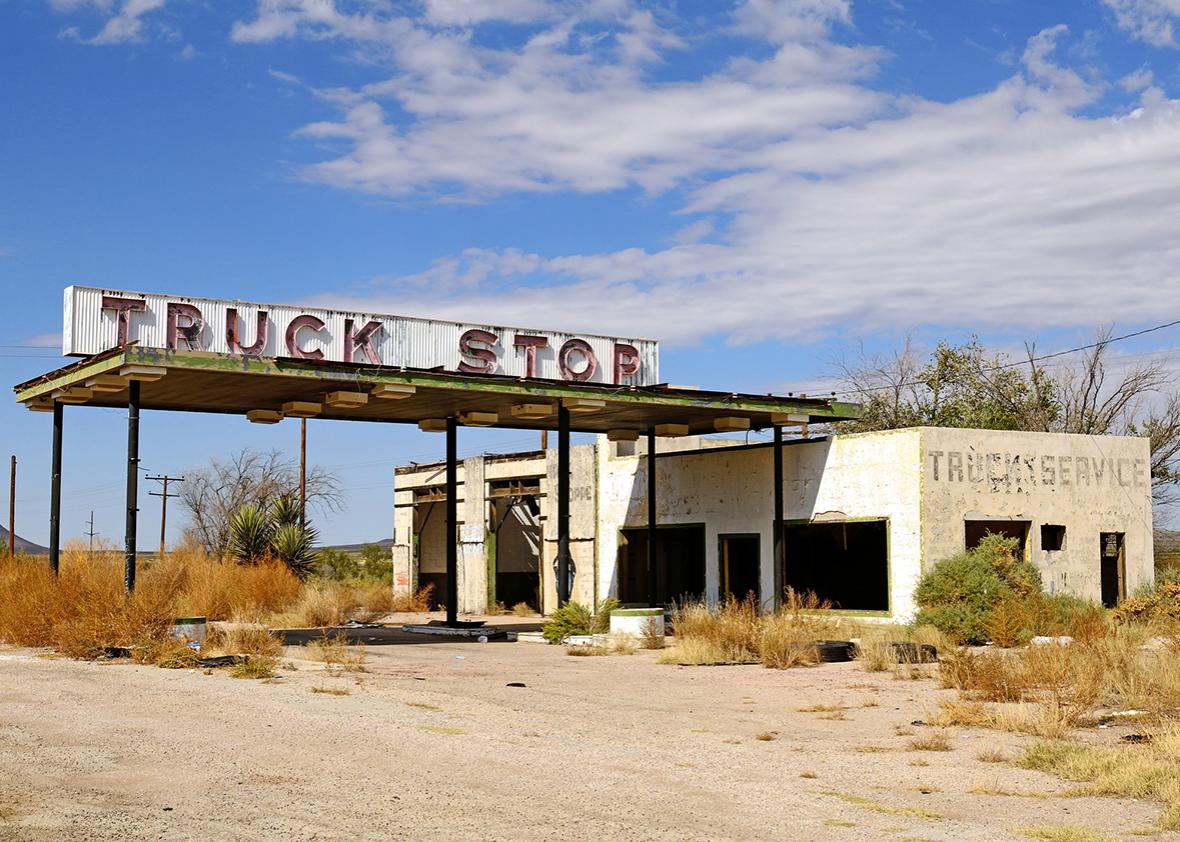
(959,595)
(575,618)
(1160,605)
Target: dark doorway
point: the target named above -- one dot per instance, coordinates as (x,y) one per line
(740,558)
(1114,586)
(430,544)
(976,530)
(845,563)
(680,565)
(516,527)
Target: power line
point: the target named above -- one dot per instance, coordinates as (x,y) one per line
(1029,361)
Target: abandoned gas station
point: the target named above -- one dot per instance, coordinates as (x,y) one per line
(655,510)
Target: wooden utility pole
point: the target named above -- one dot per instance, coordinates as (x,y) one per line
(164,495)
(303,472)
(12,510)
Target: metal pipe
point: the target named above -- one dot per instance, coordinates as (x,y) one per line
(779,561)
(563,506)
(303,472)
(12,510)
(452,522)
(55,493)
(132,484)
(652,584)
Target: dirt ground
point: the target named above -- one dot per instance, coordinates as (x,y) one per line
(432,743)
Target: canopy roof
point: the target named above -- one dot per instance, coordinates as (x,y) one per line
(198,381)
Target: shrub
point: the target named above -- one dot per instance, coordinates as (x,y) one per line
(575,618)
(1160,605)
(412,603)
(959,595)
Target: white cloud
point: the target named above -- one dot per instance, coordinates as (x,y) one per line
(1016,208)
(121,26)
(1152,21)
(469,12)
(569,108)
(45,340)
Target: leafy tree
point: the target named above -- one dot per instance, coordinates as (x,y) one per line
(968,386)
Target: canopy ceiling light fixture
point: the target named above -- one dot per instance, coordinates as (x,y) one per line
(107,383)
(583,404)
(301,409)
(433,425)
(75,394)
(346,400)
(478,419)
(622,435)
(264,416)
(782,419)
(532,411)
(731,424)
(671,431)
(393,391)
(143,373)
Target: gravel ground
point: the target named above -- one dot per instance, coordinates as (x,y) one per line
(431,743)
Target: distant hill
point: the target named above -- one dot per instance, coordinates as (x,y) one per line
(384,543)
(22,546)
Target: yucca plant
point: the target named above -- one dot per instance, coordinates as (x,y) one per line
(294,545)
(284,511)
(250,531)
(274,533)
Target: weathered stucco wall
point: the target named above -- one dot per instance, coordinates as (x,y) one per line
(731,492)
(925,482)
(1088,484)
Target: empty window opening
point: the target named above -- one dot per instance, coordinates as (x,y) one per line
(845,563)
(976,530)
(740,559)
(1114,585)
(515,524)
(679,565)
(1052,537)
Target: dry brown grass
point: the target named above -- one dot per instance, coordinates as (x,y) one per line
(522,609)
(417,602)
(1145,770)
(254,666)
(1049,690)
(932,741)
(735,632)
(337,654)
(84,611)
(586,650)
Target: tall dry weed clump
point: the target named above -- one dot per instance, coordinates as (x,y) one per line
(736,632)
(84,610)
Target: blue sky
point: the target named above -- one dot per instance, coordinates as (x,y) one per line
(759,184)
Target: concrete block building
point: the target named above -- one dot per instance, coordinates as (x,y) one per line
(864,516)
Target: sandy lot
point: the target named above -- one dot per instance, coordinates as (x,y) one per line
(430,743)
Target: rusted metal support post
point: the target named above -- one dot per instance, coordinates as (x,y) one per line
(12,510)
(132,484)
(563,506)
(652,585)
(55,493)
(452,522)
(779,561)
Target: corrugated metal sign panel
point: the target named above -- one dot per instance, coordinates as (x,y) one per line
(94,319)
